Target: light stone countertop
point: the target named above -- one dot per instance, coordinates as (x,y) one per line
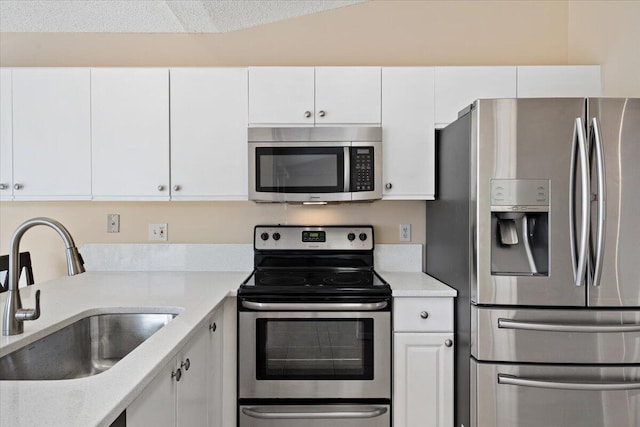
(99,399)
(416,284)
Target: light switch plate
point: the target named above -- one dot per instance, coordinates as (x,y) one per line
(158,232)
(113,223)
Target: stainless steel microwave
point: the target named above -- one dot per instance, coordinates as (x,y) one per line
(315,164)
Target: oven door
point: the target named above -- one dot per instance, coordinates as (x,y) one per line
(299,172)
(314,354)
(315,416)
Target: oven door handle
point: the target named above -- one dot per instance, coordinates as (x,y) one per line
(289,306)
(257,412)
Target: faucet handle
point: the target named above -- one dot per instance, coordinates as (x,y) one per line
(24,314)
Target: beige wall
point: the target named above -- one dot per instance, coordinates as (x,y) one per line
(608,33)
(377,32)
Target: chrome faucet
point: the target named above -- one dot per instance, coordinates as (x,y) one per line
(14,314)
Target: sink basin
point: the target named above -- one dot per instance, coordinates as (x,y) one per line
(89,346)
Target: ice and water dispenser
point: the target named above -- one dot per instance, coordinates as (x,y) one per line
(520,227)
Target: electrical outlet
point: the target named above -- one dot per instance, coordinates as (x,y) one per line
(158,232)
(405,232)
(113,223)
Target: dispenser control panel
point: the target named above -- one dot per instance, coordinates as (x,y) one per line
(520,195)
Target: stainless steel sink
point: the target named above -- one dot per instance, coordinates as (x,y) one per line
(89,346)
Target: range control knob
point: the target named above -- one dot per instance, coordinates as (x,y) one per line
(351,237)
(363,236)
(276,236)
(264,236)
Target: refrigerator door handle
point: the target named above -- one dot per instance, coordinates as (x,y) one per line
(566,327)
(579,249)
(567,385)
(602,200)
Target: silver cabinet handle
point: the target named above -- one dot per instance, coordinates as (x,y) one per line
(565,327)
(579,248)
(388,186)
(602,201)
(3,186)
(321,113)
(265,414)
(160,187)
(448,343)
(176,188)
(186,364)
(424,314)
(213,327)
(307,114)
(568,385)
(177,374)
(280,306)
(18,186)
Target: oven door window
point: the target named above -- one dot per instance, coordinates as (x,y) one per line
(300,169)
(315,349)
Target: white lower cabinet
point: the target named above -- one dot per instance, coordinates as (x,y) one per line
(423,362)
(179,395)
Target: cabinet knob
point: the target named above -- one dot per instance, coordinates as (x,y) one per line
(18,186)
(388,186)
(3,186)
(177,374)
(213,327)
(186,364)
(307,114)
(160,187)
(424,314)
(321,113)
(448,343)
(176,188)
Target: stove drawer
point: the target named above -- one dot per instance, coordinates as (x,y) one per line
(315,416)
(422,314)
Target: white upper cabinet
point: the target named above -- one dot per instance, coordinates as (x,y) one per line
(130,133)
(6,136)
(457,87)
(209,133)
(307,96)
(51,133)
(280,95)
(348,95)
(408,133)
(559,81)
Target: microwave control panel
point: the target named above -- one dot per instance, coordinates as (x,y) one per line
(362,169)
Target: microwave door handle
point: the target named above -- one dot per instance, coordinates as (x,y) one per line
(261,413)
(347,169)
(568,385)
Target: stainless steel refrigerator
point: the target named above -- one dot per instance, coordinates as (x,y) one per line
(537,225)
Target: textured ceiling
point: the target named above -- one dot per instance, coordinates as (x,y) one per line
(152,16)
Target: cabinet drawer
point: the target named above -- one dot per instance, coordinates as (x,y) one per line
(422,314)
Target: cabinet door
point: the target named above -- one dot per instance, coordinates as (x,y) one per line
(408,133)
(348,95)
(156,405)
(209,134)
(559,81)
(51,133)
(422,380)
(281,95)
(215,370)
(192,388)
(6,136)
(457,87)
(130,133)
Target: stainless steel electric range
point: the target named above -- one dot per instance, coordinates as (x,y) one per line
(314,330)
